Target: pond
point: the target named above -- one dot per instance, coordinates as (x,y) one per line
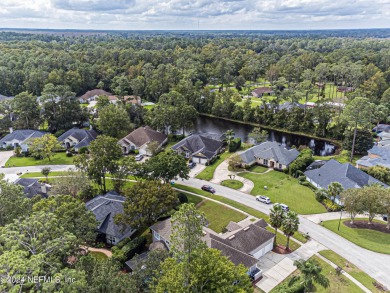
(216,127)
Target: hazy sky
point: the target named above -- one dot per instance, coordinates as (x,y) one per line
(202,14)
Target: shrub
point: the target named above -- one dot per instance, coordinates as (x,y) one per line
(9,147)
(136,152)
(234,145)
(330,206)
(83,150)
(321,195)
(182,198)
(122,243)
(69,154)
(59,133)
(300,164)
(133,247)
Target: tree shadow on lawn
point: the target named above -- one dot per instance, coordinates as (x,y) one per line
(365,225)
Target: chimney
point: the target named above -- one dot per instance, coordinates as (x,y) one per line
(43,188)
(11,130)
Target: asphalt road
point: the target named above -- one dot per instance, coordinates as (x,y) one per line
(376,265)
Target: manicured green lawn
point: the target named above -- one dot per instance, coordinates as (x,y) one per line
(219,215)
(57,159)
(369,239)
(193,198)
(351,269)
(283,188)
(208,172)
(39,174)
(337,283)
(98,255)
(258,169)
(234,184)
(342,158)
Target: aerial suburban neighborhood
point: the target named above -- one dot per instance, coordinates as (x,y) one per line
(139,153)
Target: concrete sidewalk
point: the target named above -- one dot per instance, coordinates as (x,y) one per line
(222,173)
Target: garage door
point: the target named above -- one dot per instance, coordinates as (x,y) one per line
(269,247)
(259,254)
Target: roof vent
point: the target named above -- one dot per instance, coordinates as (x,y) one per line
(232,237)
(246,228)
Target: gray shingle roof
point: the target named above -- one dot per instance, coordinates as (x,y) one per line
(288,106)
(22,135)
(164,228)
(95,92)
(85,137)
(143,135)
(378,155)
(105,208)
(270,150)
(31,187)
(199,145)
(346,174)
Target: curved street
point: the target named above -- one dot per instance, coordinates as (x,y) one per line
(375,264)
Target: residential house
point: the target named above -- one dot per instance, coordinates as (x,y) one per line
(288,106)
(270,154)
(242,243)
(261,91)
(77,138)
(92,95)
(134,100)
(345,89)
(105,208)
(140,139)
(199,148)
(21,138)
(381,128)
(32,187)
(345,174)
(377,155)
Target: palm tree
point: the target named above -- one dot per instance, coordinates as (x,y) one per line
(310,274)
(276,218)
(290,225)
(334,189)
(229,136)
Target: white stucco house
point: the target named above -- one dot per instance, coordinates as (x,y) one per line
(77,138)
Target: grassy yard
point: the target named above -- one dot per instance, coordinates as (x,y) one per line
(351,269)
(342,158)
(369,239)
(39,174)
(234,184)
(338,283)
(57,159)
(283,188)
(219,215)
(98,255)
(257,169)
(208,172)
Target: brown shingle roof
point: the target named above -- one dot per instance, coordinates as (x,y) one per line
(164,228)
(263,90)
(143,135)
(95,92)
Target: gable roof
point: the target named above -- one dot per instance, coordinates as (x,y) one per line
(84,137)
(288,106)
(31,187)
(199,145)
(93,93)
(262,90)
(346,174)
(22,135)
(105,208)
(270,150)
(163,228)
(143,135)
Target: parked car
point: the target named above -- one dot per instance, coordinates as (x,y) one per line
(139,157)
(191,165)
(208,188)
(285,207)
(263,199)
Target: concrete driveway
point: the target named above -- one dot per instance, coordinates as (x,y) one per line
(4,156)
(375,264)
(196,170)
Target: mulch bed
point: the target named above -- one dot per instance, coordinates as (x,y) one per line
(280,249)
(365,225)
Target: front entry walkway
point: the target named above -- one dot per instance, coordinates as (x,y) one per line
(222,173)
